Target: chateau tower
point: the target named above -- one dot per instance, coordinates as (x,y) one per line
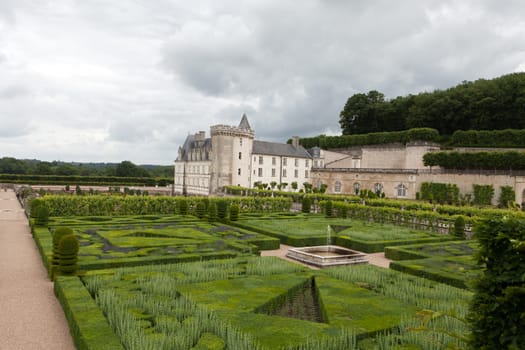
(231,155)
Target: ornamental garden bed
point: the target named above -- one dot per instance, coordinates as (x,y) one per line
(136,240)
(260,303)
(311,230)
(447,262)
(457,271)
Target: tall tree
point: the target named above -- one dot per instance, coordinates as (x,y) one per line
(360,116)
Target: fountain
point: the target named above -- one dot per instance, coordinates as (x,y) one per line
(327,255)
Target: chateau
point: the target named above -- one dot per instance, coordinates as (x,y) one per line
(231,156)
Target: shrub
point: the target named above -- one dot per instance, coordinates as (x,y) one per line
(506,197)
(212,212)
(483,194)
(439,192)
(200,210)
(459,227)
(41,215)
(60,233)
(222,209)
(234,212)
(33,205)
(328,209)
(496,314)
(183,207)
(68,255)
(306,204)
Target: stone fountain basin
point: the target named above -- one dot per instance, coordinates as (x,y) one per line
(327,255)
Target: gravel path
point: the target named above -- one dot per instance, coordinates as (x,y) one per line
(30,315)
(377,259)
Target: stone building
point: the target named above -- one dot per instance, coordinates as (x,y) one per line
(232,156)
(398,171)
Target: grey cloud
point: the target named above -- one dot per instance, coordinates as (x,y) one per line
(14,91)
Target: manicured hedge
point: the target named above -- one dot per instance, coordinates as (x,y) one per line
(438,269)
(87,324)
(294,241)
(379,246)
(501,160)
(100,205)
(84,180)
(376,138)
(489,138)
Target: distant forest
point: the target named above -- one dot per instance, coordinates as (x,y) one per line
(480,105)
(9,165)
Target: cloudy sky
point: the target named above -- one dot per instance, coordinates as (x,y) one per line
(107,81)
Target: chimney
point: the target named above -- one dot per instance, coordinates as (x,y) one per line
(295,141)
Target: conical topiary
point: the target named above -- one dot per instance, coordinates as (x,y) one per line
(222,209)
(183,207)
(212,212)
(33,205)
(68,255)
(60,232)
(200,210)
(328,209)
(234,212)
(306,204)
(41,215)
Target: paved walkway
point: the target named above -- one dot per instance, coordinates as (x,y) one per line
(377,259)
(31,317)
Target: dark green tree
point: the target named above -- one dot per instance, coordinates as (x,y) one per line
(306,204)
(360,115)
(498,308)
(234,212)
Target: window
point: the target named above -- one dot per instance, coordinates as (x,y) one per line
(401,190)
(306,163)
(337,187)
(357,187)
(240,155)
(296,162)
(296,173)
(240,142)
(260,159)
(285,160)
(273,160)
(284,172)
(239,171)
(378,188)
(306,173)
(260,172)
(273,172)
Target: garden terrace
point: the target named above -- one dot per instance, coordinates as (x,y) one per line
(311,230)
(126,241)
(260,303)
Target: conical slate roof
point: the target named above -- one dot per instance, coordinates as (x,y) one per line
(244,122)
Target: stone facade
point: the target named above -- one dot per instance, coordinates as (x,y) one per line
(231,156)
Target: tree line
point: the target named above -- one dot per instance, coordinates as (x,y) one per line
(9,165)
(494,104)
